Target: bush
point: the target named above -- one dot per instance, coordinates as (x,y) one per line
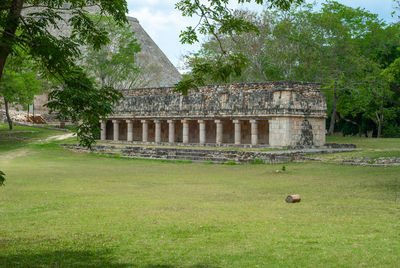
(391,131)
(2,178)
(257,161)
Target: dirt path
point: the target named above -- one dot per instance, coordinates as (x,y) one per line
(14,154)
(61,137)
(21,152)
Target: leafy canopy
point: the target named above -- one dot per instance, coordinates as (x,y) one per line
(20,82)
(218,21)
(32,26)
(114,64)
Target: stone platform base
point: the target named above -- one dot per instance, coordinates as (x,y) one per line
(206,155)
(180,144)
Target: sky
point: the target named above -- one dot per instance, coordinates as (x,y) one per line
(164,23)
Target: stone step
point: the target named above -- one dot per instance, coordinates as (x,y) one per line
(187,157)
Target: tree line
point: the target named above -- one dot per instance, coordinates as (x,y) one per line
(353,54)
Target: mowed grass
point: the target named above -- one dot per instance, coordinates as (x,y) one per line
(371,147)
(64,209)
(21,136)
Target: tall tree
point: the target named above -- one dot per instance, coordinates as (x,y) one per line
(27,25)
(338,46)
(218,21)
(114,64)
(20,83)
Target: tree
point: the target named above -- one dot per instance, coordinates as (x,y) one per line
(114,64)
(217,20)
(343,48)
(26,25)
(20,83)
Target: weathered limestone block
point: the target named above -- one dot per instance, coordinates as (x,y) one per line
(220,101)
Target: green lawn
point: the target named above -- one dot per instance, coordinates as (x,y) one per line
(21,136)
(371,147)
(64,209)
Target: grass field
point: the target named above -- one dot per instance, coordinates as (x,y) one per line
(64,209)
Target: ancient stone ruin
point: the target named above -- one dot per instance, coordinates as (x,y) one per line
(276,114)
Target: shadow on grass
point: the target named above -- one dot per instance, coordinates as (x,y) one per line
(64,258)
(69,258)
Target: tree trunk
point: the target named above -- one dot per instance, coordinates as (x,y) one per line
(295,198)
(380,120)
(10,29)
(10,123)
(333,115)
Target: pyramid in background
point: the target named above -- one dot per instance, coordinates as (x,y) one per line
(151,55)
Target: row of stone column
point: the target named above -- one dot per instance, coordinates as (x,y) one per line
(185,134)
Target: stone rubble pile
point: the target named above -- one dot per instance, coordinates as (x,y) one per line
(16,116)
(373,162)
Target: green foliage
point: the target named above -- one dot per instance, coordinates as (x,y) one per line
(216,20)
(2,178)
(83,101)
(283,168)
(114,64)
(211,69)
(79,100)
(391,130)
(257,161)
(20,83)
(349,51)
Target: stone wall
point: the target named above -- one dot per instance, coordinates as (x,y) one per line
(287,113)
(297,131)
(225,101)
(205,155)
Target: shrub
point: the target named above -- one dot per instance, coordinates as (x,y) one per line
(391,131)
(230,163)
(2,178)
(257,161)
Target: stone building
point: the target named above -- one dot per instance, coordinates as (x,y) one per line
(276,114)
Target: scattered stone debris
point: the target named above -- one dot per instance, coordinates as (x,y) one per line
(340,145)
(373,162)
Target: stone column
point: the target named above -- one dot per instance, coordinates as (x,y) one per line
(158,131)
(202,134)
(254,132)
(129,130)
(219,133)
(238,132)
(103,134)
(145,128)
(116,129)
(171,131)
(185,135)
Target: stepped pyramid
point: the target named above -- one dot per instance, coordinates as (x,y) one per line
(151,54)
